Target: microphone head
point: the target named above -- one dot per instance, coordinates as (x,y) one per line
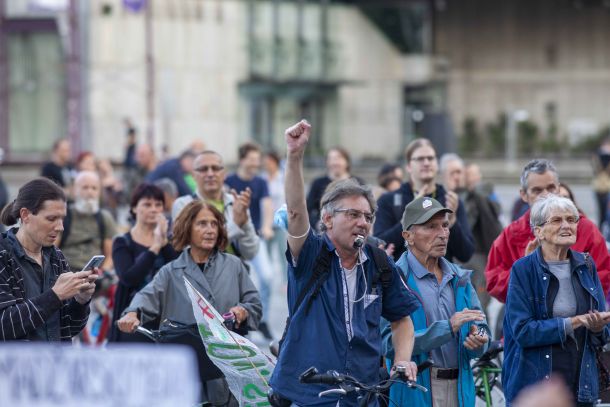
(358,242)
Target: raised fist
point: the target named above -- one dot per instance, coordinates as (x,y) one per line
(297,136)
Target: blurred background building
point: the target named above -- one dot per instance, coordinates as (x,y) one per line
(369,74)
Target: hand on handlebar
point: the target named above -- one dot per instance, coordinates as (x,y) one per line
(410,369)
(128,323)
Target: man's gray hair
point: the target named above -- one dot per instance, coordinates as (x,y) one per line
(447,158)
(338,190)
(544,207)
(537,166)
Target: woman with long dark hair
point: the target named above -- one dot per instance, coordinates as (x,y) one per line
(40,298)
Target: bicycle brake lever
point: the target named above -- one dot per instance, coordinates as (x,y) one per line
(419,387)
(332,391)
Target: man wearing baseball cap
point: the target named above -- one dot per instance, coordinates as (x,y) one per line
(450,327)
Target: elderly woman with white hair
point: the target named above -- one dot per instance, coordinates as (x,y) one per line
(555,309)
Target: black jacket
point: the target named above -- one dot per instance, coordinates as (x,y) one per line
(20,316)
(390,208)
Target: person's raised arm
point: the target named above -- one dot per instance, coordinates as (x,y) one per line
(297,137)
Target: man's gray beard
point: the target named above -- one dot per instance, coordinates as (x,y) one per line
(87,206)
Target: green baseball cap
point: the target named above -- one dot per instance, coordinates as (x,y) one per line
(420,211)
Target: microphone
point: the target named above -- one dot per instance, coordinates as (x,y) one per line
(358,242)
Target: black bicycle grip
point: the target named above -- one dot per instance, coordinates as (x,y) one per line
(311,375)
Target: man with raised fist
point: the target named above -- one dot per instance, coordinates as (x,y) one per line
(338,290)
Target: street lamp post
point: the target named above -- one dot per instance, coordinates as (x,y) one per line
(513,118)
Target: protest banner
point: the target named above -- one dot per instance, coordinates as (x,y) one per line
(246,369)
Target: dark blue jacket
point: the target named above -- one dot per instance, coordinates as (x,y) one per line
(390,208)
(530,333)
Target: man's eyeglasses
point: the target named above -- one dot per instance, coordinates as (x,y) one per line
(423,158)
(355,214)
(558,221)
(205,168)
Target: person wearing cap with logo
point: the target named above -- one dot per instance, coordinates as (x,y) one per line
(450,328)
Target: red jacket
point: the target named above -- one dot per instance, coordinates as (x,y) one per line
(510,246)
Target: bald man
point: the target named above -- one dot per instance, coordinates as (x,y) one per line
(88,229)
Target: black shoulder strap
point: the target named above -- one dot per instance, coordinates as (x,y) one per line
(101,227)
(383,266)
(67,226)
(320,273)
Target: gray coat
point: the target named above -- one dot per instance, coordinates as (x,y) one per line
(245,236)
(224,282)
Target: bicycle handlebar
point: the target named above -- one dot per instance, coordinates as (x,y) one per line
(349,384)
(311,375)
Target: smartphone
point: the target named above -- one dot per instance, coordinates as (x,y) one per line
(94,262)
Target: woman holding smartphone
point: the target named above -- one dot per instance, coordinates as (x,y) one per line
(140,253)
(40,298)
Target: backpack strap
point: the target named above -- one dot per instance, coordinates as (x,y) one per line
(101,227)
(384,270)
(321,271)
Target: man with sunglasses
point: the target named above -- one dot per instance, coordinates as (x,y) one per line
(539,178)
(336,326)
(210,173)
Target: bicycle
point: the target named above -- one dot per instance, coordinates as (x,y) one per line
(348,384)
(487,371)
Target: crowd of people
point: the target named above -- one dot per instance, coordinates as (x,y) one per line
(401,272)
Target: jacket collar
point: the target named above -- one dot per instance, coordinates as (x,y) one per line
(404,266)
(193,272)
(577,259)
(9,239)
(362,257)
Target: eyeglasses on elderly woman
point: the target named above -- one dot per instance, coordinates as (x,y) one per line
(557,221)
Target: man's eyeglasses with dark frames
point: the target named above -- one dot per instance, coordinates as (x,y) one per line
(355,214)
(423,158)
(205,168)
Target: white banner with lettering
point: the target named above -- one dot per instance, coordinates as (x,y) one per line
(45,375)
(246,369)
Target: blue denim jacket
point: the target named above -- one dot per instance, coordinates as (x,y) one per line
(529,333)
